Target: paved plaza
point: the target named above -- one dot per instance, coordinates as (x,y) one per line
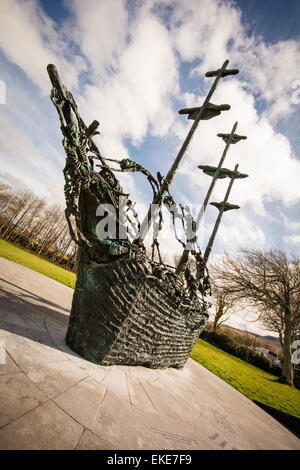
(50,398)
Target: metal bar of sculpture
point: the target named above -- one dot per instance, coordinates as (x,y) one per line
(127,308)
(222,207)
(205,112)
(216,173)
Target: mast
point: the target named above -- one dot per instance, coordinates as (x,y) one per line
(222,207)
(216,173)
(206,111)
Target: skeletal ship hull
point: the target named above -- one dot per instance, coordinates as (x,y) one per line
(121,315)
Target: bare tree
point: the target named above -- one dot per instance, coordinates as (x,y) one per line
(26,220)
(269,283)
(21,204)
(223,305)
(5,198)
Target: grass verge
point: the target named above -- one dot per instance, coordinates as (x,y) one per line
(252,382)
(14,253)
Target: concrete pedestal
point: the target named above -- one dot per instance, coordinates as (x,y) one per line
(53,399)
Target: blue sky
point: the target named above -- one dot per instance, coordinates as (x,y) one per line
(275,20)
(132,65)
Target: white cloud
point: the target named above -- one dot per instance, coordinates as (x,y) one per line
(237,231)
(272,68)
(100,29)
(246,321)
(137,97)
(292,239)
(29,39)
(290,224)
(202,29)
(27,162)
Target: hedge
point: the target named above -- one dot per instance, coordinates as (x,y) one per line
(232,347)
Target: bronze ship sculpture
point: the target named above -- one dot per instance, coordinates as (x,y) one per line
(130,308)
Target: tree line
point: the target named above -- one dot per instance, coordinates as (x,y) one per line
(30,222)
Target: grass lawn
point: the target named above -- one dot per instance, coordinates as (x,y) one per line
(247,379)
(26,258)
(255,383)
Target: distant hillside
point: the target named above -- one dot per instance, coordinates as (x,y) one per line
(251,339)
(271,338)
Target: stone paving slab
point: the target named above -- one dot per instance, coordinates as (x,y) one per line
(90,441)
(83,401)
(46,427)
(51,398)
(18,396)
(54,378)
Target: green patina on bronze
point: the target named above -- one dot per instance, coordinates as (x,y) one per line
(128,308)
